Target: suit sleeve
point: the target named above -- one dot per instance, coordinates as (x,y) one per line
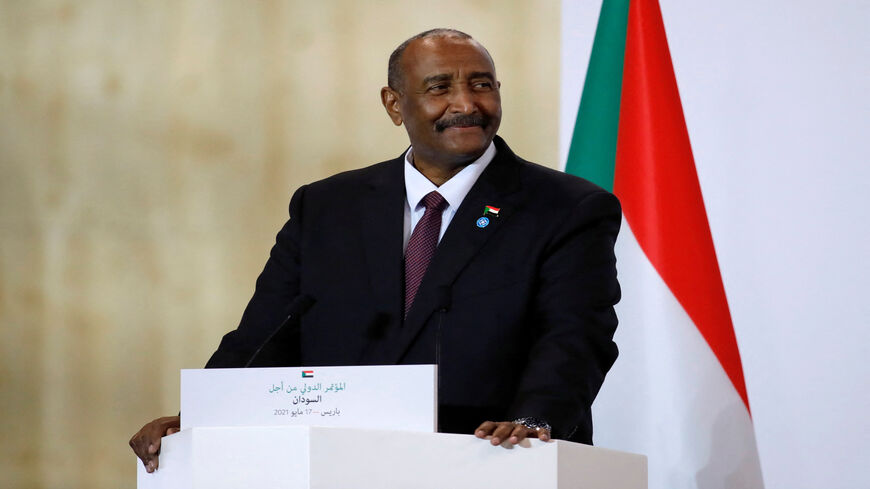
(574,320)
(276,288)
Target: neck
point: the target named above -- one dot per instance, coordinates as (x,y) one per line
(439,171)
(437,174)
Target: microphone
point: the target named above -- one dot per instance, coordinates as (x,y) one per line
(298,307)
(443,302)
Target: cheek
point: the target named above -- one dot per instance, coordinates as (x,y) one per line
(429,109)
(431,113)
(492,105)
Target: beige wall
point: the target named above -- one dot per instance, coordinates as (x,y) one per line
(147,155)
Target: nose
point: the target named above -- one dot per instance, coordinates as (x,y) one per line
(463,101)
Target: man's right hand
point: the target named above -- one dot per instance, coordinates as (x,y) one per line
(146,443)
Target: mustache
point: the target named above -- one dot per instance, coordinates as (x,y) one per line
(462,120)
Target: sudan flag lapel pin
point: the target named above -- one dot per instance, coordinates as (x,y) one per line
(488,211)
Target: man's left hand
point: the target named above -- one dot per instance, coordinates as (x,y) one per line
(509,431)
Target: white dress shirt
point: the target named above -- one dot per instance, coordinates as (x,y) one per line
(453,190)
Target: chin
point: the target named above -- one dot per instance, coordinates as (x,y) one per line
(469,146)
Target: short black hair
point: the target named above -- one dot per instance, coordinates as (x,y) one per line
(394,72)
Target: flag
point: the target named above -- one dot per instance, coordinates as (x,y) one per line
(677,392)
(491,210)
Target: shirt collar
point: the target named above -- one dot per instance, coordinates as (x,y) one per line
(453,190)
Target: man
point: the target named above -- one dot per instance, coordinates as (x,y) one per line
(457,253)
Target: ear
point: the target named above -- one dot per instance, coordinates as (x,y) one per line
(390,99)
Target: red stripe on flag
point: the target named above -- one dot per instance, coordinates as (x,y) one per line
(658,186)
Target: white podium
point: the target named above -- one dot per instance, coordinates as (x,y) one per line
(284,457)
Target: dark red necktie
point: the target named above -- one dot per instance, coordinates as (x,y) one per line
(421,246)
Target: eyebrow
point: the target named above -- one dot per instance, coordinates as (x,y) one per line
(446,77)
(481,74)
(436,78)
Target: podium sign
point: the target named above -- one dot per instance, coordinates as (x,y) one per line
(395,397)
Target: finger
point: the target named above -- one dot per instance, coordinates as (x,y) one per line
(502,432)
(137,446)
(544,434)
(486,428)
(155,443)
(519,434)
(139,443)
(152,460)
(152,436)
(146,443)
(149,461)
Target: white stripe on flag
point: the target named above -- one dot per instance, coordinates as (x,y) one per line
(667,395)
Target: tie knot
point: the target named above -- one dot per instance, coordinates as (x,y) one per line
(433,200)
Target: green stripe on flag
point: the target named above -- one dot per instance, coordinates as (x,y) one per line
(592,154)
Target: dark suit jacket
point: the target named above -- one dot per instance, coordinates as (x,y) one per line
(525,304)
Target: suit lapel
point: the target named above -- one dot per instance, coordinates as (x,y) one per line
(497,186)
(382,222)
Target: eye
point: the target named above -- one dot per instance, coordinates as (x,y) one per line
(437,88)
(482,85)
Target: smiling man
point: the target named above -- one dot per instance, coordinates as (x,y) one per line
(457,252)
(444,90)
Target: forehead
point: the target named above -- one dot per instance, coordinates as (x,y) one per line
(444,55)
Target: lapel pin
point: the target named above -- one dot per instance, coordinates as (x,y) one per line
(483,222)
(491,211)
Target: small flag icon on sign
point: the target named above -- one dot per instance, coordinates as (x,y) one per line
(307,374)
(491,210)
